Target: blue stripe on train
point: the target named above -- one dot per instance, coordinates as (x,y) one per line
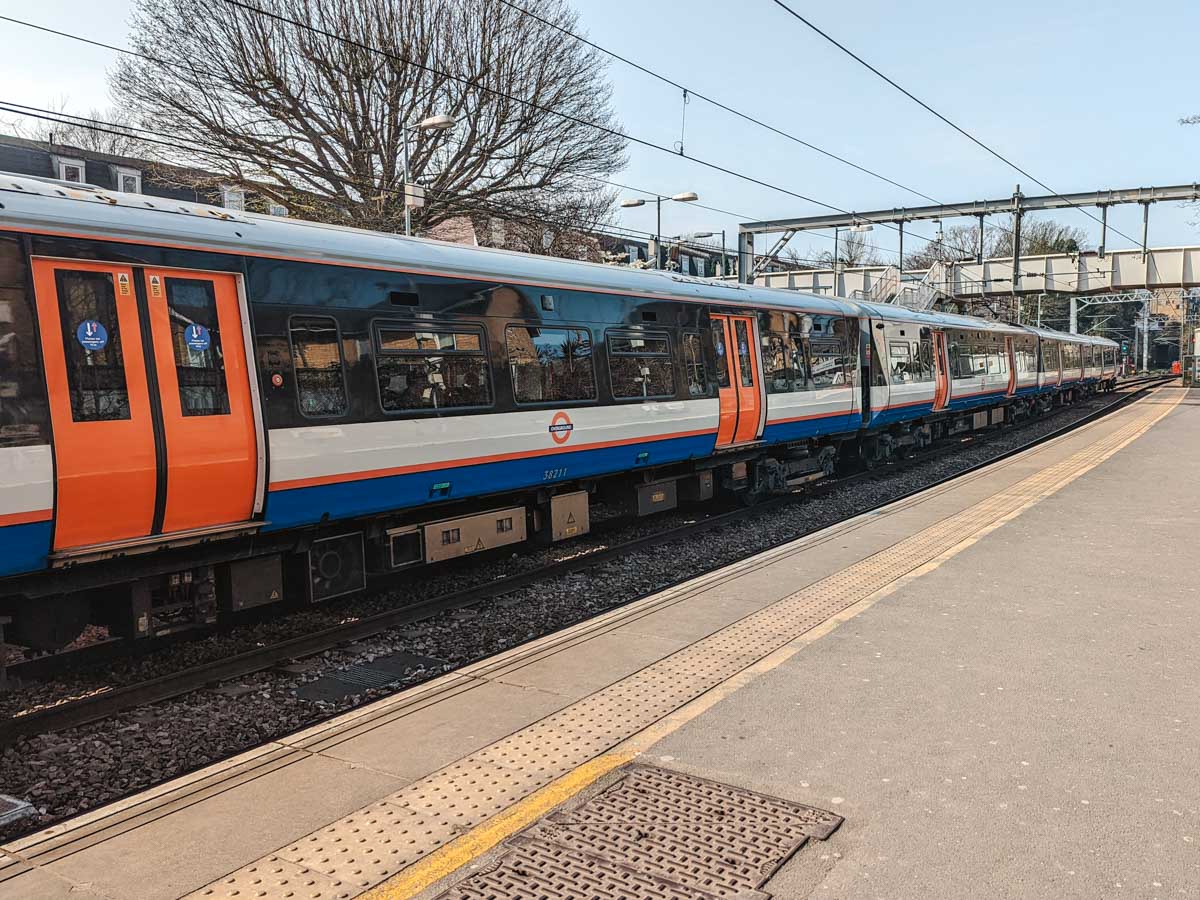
(781,432)
(901,413)
(23,548)
(346,499)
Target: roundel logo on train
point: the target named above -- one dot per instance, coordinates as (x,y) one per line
(560,428)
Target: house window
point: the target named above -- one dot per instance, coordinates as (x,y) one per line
(128,181)
(277,209)
(233,197)
(631,251)
(72,170)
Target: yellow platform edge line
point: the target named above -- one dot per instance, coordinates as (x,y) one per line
(460,852)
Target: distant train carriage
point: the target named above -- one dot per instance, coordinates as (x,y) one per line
(204,410)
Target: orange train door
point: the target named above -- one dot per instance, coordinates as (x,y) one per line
(739,385)
(941,390)
(154,429)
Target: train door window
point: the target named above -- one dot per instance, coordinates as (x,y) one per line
(718,333)
(826,363)
(693,363)
(640,365)
(550,365)
(92,346)
(427,368)
(317,358)
(900,362)
(745,361)
(196,340)
(923,356)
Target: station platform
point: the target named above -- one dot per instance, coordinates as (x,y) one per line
(990,689)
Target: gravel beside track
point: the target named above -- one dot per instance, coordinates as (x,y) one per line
(66,773)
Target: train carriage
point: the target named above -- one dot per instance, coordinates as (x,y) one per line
(204,410)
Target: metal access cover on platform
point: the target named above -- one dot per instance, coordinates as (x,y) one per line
(654,833)
(12,809)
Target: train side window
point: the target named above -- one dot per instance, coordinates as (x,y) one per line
(422,368)
(320,369)
(1050,356)
(775,363)
(24,415)
(826,363)
(693,364)
(196,340)
(798,364)
(900,362)
(550,365)
(718,333)
(640,365)
(87,306)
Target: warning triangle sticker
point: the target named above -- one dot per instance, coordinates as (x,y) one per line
(570,518)
(479,545)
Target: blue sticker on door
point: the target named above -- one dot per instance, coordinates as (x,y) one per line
(197,338)
(91,335)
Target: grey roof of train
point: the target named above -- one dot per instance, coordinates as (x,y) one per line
(42,204)
(33,203)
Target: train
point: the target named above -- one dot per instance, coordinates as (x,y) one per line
(205,411)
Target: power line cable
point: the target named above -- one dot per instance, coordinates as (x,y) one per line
(690,92)
(1008,162)
(532,104)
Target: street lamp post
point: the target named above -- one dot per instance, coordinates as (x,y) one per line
(684,197)
(431,123)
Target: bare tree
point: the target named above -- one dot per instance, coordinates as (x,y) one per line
(1038,237)
(959,242)
(98,131)
(854,250)
(308,101)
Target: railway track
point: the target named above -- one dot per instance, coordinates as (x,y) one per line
(106,704)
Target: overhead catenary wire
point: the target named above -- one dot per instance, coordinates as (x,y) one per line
(206,151)
(533,104)
(743,216)
(1004,159)
(691,92)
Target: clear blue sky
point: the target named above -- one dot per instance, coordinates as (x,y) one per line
(1084,95)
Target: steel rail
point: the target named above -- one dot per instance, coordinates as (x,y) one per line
(106,704)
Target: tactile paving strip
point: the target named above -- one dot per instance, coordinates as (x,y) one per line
(275,877)
(463,795)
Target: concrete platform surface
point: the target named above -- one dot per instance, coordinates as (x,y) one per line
(992,682)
